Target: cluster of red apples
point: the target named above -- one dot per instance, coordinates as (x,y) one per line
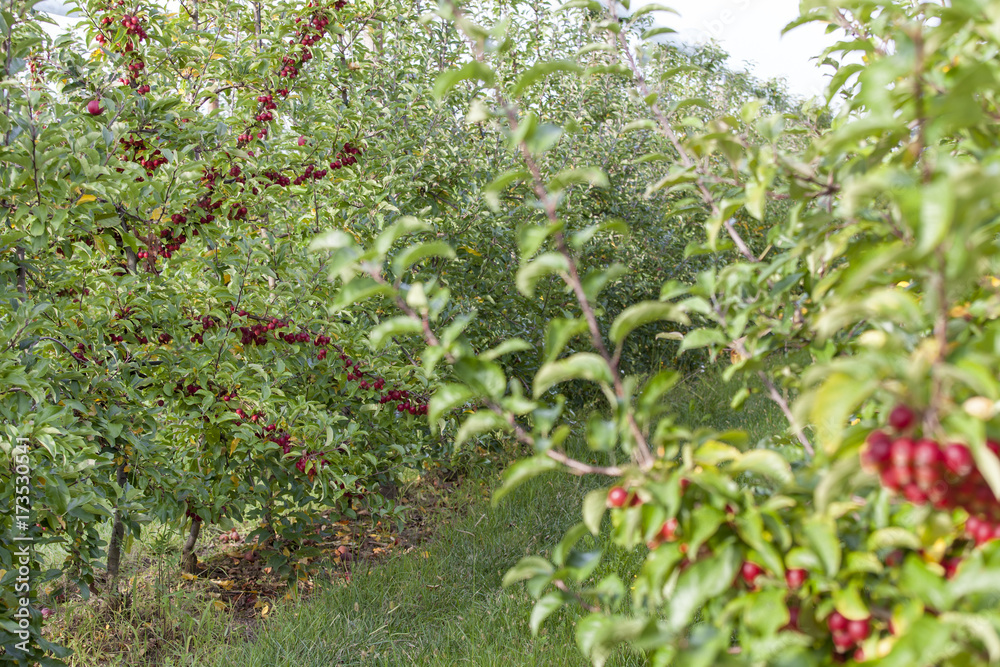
(845,634)
(123,44)
(925,471)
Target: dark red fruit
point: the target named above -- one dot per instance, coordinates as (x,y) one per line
(901,418)
(926,453)
(617,496)
(668,531)
(914,494)
(94,108)
(958,459)
(795,577)
(858,630)
(890,478)
(901,456)
(876,453)
(836,622)
(750,572)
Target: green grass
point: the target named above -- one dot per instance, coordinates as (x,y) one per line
(443,603)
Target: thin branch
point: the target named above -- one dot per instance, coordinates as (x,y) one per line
(671,136)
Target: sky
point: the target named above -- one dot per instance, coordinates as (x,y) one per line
(749,30)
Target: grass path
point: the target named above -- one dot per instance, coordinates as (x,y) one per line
(442,604)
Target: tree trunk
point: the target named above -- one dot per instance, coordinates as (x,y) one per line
(117,534)
(189,559)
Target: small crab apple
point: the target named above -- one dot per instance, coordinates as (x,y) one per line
(617,496)
(902,417)
(668,531)
(858,630)
(842,641)
(795,577)
(958,459)
(750,572)
(877,450)
(837,622)
(94,108)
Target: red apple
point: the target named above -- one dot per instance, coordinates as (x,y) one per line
(750,572)
(958,459)
(837,622)
(94,108)
(668,531)
(795,577)
(858,630)
(901,418)
(876,453)
(617,496)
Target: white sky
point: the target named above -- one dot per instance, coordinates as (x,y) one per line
(750,31)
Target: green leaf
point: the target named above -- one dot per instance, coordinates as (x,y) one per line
(402,325)
(750,527)
(654,389)
(545,264)
(644,124)
(544,608)
(703,524)
(642,313)
(485,377)
(594,506)
(714,452)
(849,603)
(652,7)
(893,537)
(702,337)
(332,241)
(918,580)
(521,472)
(937,209)
(509,346)
(591,5)
(480,422)
(701,582)
(531,237)
(766,611)
(588,175)
(540,70)
(834,402)
(527,568)
(491,193)
(407,224)
(358,290)
(580,366)
(472,70)
(653,32)
(447,397)
(766,462)
(821,534)
(978,626)
(421,251)
(566,544)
